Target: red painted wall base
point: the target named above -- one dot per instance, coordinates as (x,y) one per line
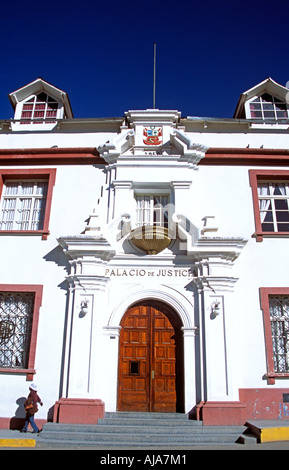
(263,403)
(221,413)
(78,411)
(18,423)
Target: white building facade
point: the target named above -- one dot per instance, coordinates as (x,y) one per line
(144,260)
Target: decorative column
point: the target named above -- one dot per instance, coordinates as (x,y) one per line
(221,405)
(189,366)
(181,189)
(77,404)
(110,351)
(123,198)
(87,303)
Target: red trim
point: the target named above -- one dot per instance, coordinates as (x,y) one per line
(38,291)
(264,297)
(246,156)
(54,156)
(50,174)
(269,175)
(89,155)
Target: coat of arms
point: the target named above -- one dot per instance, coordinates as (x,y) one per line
(153,135)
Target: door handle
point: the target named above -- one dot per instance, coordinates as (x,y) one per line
(153,374)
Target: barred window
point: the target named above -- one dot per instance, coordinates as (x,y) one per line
(23,205)
(279,318)
(16,315)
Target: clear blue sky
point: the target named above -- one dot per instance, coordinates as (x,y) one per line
(101,52)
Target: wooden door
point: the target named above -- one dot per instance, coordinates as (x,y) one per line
(150,360)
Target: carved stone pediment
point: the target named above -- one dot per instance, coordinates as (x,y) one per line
(152,135)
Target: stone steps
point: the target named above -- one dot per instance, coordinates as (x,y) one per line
(141,430)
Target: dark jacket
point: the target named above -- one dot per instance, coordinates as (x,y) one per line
(30,404)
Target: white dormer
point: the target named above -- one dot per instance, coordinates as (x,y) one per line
(39,105)
(266,102)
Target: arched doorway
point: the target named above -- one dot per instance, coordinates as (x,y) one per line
(150,369)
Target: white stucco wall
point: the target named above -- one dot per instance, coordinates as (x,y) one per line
(235,346)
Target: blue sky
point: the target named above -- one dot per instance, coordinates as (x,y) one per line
(101,52)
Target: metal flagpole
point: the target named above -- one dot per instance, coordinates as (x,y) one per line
(154,83)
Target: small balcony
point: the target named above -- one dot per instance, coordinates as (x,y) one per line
(151,239)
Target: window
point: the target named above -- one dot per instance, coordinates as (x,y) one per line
(134,367)
(19,312)
(279,317)
(39,109)
(23,205)
(152,209)
(25,202)
(267,107)
(270,191)
(16,314)
(275,306)
(273,205)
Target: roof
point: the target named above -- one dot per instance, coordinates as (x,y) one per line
(267,86)
(37,86)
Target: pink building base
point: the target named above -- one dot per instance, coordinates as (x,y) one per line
(221,413)
(78,411)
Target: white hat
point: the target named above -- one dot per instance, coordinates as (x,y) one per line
(33,386)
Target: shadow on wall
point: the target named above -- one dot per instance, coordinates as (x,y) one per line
(58,257)
(18,420)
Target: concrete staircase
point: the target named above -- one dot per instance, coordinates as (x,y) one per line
(141,431)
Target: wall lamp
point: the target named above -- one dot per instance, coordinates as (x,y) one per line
(84,307)
(215,309)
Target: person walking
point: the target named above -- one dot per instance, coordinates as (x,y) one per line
(31,408)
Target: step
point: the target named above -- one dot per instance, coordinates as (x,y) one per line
(145,415)
(61,429)
(168,419)
(148,422)
(269,430)
(141,430)
(142,439)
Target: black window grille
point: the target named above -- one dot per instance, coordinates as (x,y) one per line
(279,317)
(16,315)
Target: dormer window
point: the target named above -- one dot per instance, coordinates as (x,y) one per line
(267,108)
(39,109)
(264,104)
(40,103)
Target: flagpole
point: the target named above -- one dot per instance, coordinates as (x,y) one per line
(154,82)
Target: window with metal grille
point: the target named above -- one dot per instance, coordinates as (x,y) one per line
(279,318)
(16,315)
(274,205)
(39,109)
(23,205)
(152,209)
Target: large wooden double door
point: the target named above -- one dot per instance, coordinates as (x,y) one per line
(150,375)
